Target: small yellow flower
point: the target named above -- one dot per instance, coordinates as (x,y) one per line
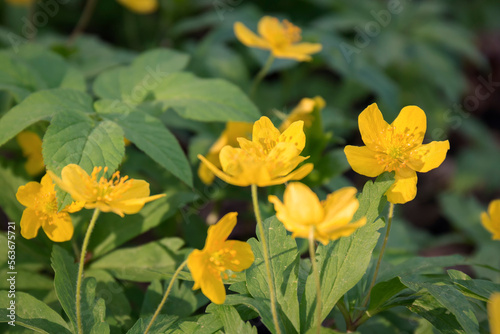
(302,211)
(20,2)
(268,159)
(282,39)
(140,6)
(229,137)
(397,147)
(304,112)
(118,194)
(491,220)
(217,258)
(41,211)
(494,313)
(31,145)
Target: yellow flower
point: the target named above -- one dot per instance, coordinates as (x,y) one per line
(304,112)
(494,313)
(491,220)
(140,6)
(218,257)
(20,2)
(268,159)
(302,211)
(228,137)
(31,144)
(396,147)
(41,211)
(118,194)
(282,39)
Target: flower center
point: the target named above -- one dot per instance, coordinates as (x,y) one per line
(108,190)
(46,205)
(398,149)
(292,32)
(221,260)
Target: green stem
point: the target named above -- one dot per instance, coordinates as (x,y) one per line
(266,258)
(80,270)
(312,254)
(389,223)
(345,313)
(262,73)
(83,21)
(169,288)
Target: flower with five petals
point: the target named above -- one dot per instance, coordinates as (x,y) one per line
(41,211)
(396,147)
(281,38)
(491,220)
(302,212)
(217,258)
(120,195)
(268,159)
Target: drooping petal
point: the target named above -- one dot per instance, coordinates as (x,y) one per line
(130,206)
(372,127)
(212,287)
(296,175)
(243,257)
(335,233)
(340,206)
(295,135)
(247,37)
(411,124)
(218,233)
(205,174)
(363,160)
(30,223)
(265,133)
(26,195)
(299,52)
(223,176)
(404,188)
(59,228)
(494,313)
(303,204)
(74,180)
(429,156)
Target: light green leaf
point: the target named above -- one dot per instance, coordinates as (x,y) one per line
(32,313)
(343,263)
(474,288)
(75,138)
(206,100)
(231,320)
(284,266)
(261,306)
(42,106)
(161,324)
(10,183)
(150,135)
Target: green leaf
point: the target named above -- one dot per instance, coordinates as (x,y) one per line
(206,100)
(231,320)
(152,137)
(42,106)
(474,288)
(261,306)
(161,324)
(450,298)
(343,263)
(75,138)
(66,272)
(204,324)
(382,293)
(117,230)
(10,183)
(32,313)
(284,266)
(144,263)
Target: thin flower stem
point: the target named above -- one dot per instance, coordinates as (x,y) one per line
(83,21)
(389,223)
(80,270)
(169,288)
(312,254)
(266,258)
(345,313)
(262,73)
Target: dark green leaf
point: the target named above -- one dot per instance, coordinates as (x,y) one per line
(231,320)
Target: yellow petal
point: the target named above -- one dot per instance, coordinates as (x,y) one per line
(130,206)
(429,156)
(404,188)
(232,158)
(342,231)
(26,195)
(197,262)
(295,135)
(140,6)
(340,206)
(138,189)
(296,175)
(299,52)
(34,165)
(283,158)
(74,207)
(30,223)
(271,29)
(363,160)
(494,313)
(223,176)
(491,220)
(372,126)
(302,204)
(235,130)
(59,228)
(244,256)
(74,180)
(218,233)
(247,37)
(31,145)
(411,122)
(212,287)
(264,132)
